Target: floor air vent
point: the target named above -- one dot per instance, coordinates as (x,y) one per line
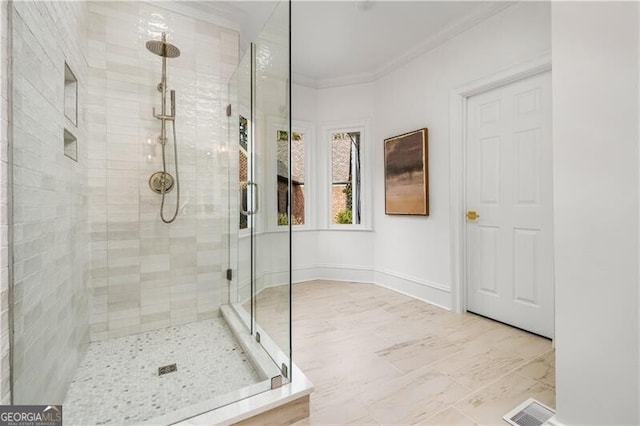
(529,413)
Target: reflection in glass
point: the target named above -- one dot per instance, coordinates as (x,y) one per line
(243,169)
(297,178)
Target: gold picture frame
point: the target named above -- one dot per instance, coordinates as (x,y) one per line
(406,174)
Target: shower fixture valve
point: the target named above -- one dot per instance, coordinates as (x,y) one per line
(158,180)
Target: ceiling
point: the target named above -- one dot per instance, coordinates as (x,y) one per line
(346,42)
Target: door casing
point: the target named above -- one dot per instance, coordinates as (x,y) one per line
(457,163)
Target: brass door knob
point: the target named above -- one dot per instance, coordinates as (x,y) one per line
(472,215)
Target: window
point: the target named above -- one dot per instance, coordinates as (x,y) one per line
(297,178)
(345,178)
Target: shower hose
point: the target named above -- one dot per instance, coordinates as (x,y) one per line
(164,174)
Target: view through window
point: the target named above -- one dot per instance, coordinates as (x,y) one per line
(297,178)
(345,178)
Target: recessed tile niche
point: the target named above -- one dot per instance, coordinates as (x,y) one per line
(70,145)
(70,112)
(70,95)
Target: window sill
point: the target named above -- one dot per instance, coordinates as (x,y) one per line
(357,228)
(309,229)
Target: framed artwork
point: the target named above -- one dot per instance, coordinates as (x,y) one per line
(406,174)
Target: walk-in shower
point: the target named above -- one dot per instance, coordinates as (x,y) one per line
(162,182)
(118,316)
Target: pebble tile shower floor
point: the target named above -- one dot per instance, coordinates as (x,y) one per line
(118,383)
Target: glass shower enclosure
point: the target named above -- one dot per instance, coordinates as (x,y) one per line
(258,112)
(116,314)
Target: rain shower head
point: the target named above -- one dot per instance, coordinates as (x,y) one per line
(162,48)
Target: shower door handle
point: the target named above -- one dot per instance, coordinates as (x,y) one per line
(241,198)
(254,198)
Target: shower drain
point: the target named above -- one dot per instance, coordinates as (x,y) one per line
(167,369)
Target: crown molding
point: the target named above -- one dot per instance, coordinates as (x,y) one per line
(457,27)
(347,80)
(303,80)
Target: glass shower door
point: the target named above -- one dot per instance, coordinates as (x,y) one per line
(273,242)
(240,123)
(260,249)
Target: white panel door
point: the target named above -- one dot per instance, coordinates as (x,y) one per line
(509,266)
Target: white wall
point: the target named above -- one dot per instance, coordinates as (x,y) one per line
(416,96)
(412,254)
(304,107)
(595,80)
(322,253)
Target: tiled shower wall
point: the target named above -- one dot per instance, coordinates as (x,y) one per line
(146,274)
(51,263)
(5,368)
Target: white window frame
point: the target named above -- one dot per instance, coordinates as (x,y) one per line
(366,142)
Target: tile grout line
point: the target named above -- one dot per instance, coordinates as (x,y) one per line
(334,398)
(513,371)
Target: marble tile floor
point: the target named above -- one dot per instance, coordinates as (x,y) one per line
(378,357)
(118,383)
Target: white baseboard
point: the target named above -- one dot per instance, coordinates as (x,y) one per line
(265,280)
(433,293)
(348,273)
